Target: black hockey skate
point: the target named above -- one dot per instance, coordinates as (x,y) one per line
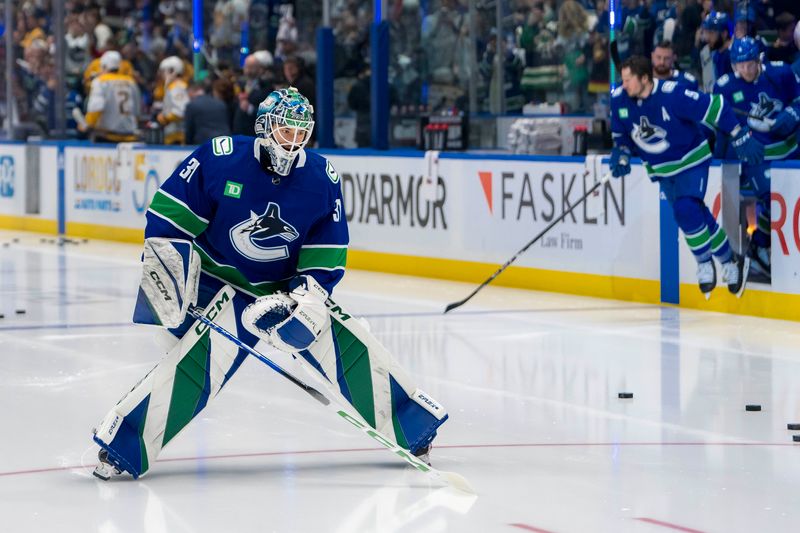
(734,273)
(761,269)
(424,454)
(106,469)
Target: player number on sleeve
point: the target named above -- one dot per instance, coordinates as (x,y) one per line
(188,172)
(337,210)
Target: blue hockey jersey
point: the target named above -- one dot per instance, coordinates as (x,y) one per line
(665,128)
(684,77)
(769,94)
(254,230)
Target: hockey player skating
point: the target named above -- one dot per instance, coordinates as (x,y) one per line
(264,217)
(661,121)
(768,95)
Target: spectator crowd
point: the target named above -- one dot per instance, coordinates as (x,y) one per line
(443,57)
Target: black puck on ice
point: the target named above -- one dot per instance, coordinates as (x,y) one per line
(793,427)
(752,407)
(796,438)
(625,395)
(2,316)
(15,239)
(20,311)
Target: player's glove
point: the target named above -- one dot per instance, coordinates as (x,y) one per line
(786,122)
(290,322)
(620,161)
(747,148)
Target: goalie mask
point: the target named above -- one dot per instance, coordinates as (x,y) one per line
(284,121)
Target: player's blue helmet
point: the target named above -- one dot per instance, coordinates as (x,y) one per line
(745,12)
(285,121)
(717,21)
(745,49)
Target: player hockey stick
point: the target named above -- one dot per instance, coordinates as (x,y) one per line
(195,312)
(550,226)
(452,479)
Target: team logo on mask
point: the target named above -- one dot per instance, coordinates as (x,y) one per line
(651,138)
(251,237)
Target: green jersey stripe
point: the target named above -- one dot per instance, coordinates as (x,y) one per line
(670,168)
(714,110)
(327,258)
(781,149)
(178,212)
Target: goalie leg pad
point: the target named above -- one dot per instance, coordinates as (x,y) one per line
(354,365)
(179,387)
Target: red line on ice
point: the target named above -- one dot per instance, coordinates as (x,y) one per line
(668,525)
(526,527)
(446,446)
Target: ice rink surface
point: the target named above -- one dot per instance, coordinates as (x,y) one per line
(530,380)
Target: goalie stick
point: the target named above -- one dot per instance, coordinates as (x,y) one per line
(446,478)
(541,234)
(197,313)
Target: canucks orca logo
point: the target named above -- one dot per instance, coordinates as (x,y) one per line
(650,137)
(249,235)
(765,108)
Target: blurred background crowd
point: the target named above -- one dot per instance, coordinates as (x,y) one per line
(476,57)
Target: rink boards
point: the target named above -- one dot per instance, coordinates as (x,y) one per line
(455,216)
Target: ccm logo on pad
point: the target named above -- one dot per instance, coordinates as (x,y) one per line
(429,404)
(160,284)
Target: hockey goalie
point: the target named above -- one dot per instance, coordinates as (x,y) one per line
(246,227)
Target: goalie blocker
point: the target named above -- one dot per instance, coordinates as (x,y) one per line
(346,358)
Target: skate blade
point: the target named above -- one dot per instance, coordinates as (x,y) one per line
(101,473)
(707,295)
(745,272)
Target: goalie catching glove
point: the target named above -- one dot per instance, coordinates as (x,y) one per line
(290,322)
(170,278)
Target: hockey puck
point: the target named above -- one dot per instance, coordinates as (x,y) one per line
(85,241)
(752,407)
(2,316)
(5,245)
(796,438)
(793,427)
(15,239)
(20,311)
(625,395)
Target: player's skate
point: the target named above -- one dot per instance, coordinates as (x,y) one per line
(424,454)
(734,273)
(106,469)
(707,277)
(760,259)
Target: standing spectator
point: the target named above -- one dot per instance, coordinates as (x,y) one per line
(206,116)
(112,112)
(175,100)
(295,75)
(254,87)
(573,44)
(784,48)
